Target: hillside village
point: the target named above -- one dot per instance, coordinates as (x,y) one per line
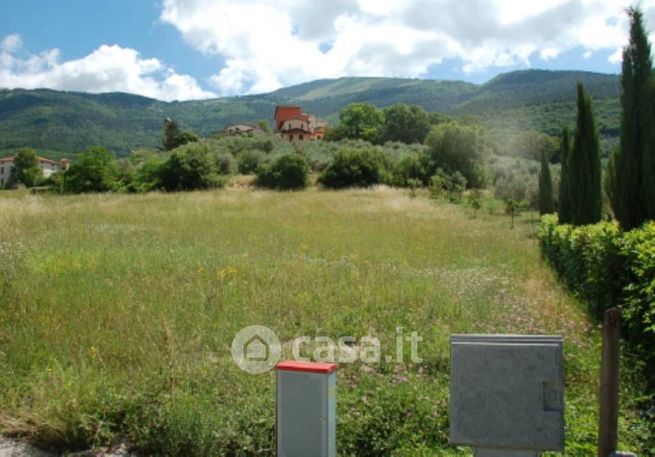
(291,124)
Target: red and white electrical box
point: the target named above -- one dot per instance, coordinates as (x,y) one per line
(306,409)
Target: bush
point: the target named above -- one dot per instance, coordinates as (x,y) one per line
(225,163)
(287,172)
(140,171)
(452,186)
(638,293)
(354,168)
(249,160)
(190,168)
(606,268)
(94,170)
(409,170)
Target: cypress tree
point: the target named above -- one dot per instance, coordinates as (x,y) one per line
(546,205)
(564,201)
(584,166)
(171,134)
(632,185)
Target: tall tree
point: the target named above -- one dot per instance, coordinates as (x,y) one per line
(26,169)
(584,166)
(564,200)
(406,123)
(171,134)
(456,147)
(174,137)
(632,178)
(546,205)
(360,121)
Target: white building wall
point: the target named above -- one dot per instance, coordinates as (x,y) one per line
(5,172)
(47,168)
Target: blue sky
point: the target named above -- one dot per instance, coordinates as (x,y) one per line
(188,49)
(78,27)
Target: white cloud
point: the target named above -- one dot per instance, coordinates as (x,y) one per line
(266,44)
(11,43)
(107,69)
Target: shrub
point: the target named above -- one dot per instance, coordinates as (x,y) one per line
(249,160)
(289,171)
(140,171)
(190,168)
(638,294)
(452,185)
(148,173)
(55,182)
(354,168)
(94,170)
(225,163)
(475,199)
(409,169)
(606,268)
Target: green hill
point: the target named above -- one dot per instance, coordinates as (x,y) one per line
(65,122)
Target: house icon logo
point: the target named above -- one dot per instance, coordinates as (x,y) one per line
(256,349)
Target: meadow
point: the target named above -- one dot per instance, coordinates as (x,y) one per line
(118,311)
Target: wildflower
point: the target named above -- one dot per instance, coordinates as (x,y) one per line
(226,272)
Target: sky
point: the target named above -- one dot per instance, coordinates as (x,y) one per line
(197,49)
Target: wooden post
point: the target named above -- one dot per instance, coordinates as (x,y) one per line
(609,384)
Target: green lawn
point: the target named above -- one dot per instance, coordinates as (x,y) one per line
(118,312)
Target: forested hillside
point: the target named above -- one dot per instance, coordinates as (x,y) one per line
(64,122)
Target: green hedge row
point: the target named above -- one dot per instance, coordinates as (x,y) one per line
(606,267)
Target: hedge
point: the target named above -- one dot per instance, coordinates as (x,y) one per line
(606,267)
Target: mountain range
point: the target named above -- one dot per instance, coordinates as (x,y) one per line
(63,123)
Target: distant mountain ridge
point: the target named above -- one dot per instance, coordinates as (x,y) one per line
(65,122)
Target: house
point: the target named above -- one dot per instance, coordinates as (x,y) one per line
(240,129)
(48,167)
(294,125)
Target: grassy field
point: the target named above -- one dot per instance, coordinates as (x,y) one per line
(118,311)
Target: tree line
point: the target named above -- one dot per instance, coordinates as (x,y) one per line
(630,173)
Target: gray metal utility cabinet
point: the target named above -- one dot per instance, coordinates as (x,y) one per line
(306,409)
(507,394)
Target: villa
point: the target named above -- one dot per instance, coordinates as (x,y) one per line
(294,125)
(48,167)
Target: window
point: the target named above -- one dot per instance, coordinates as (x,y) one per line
(301,137)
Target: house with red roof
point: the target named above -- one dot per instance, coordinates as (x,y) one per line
(294,125)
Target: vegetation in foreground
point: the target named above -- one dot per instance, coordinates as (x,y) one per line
(119,311)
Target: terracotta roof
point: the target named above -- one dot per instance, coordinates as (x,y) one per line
(285,112)
(54,162)
(40,159)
